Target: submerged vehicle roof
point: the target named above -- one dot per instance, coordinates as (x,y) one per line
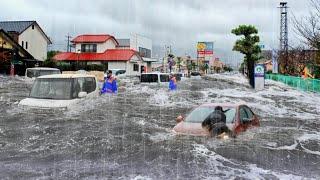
(66,76)
(223,104)
(44,68)
(156,73)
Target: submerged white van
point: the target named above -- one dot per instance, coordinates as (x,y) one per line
(40,71)
(60,90)
(155,78)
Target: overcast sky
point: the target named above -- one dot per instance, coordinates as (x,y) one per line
(179,23)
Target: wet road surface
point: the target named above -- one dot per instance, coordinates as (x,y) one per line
(128,136)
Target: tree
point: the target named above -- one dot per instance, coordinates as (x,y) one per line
(248,45)
(308,27)
(49,62)
(178,63)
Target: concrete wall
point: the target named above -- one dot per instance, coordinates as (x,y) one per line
(101,47)
(37,43)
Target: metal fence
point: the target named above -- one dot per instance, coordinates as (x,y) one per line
(308,84)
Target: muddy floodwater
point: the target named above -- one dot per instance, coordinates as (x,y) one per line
(128,135)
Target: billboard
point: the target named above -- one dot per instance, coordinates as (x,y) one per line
(205,48)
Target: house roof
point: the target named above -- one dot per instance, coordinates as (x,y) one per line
(124,42)
(108,55)
(15,44)
(20,27)
(93,38)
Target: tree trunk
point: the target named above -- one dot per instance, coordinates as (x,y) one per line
(250,66)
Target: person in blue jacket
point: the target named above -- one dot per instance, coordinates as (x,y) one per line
(110,84)
(172,82)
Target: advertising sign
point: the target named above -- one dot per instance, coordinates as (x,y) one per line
(205,48)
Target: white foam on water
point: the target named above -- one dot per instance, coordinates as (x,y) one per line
(158,137)
(250,171)
(141,178)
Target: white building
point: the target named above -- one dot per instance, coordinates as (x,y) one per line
(29,35)
(141,44)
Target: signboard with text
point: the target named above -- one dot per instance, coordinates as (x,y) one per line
(205,48)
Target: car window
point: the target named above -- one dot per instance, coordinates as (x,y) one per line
(230,115)
(150,78)
(249,112)
(164,78)
(89,84)
(243,114)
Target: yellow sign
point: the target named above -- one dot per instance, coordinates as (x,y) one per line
(201,46)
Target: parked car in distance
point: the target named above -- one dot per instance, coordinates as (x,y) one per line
(155,78)
(60,90)
(195,73)
(117,72)
(179,76)
(40,71)
(239,117)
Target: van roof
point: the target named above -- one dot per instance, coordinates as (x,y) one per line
(43,68)
(66,76)
(156,73)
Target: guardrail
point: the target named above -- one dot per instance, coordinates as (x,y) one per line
(308,84)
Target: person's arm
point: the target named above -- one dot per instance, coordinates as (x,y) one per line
(114,86)
(104,88)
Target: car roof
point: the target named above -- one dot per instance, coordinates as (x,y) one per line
(233,105)
(156,73)
(43,68)
(66,76)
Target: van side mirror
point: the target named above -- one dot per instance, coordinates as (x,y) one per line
(82,94)
(179,119)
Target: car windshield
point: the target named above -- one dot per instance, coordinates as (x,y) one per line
(39,72)
(199,114)
(52,88)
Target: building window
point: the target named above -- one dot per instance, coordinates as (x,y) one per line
(88,47)
(26,45)
(32,26)
(22,44)
(135,67)
(144,52)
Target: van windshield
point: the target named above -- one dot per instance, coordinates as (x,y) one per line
(39,72)
(53,88)
(150,78)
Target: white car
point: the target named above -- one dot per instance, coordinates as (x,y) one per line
(155,78)
(40,71)
(61,90)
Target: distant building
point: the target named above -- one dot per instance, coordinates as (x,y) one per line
(142,45)
(29,35)
(101,49)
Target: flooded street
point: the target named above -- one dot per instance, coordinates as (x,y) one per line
(128,135)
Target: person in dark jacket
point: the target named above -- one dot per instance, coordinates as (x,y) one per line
(215,123)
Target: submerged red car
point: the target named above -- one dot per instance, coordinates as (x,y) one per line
(239,117)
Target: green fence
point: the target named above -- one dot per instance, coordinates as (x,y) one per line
(312,85)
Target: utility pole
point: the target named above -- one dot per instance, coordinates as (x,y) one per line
(284,31)
(68,43)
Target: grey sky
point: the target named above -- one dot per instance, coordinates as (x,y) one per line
(179,23)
